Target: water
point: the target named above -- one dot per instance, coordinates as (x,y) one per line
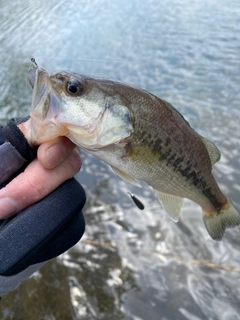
(134,264)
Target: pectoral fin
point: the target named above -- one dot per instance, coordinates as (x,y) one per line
(126,177)
(171,204)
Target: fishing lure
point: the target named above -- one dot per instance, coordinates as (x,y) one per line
(137,202)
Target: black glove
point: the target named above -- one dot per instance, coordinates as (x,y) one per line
(42,231)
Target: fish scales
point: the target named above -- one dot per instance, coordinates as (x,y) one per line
(169,148)
(143,139)
(161,153)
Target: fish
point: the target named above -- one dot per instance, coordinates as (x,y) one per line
(143,138)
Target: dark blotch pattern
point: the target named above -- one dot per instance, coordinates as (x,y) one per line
(189,173)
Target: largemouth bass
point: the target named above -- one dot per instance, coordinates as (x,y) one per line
(142,137)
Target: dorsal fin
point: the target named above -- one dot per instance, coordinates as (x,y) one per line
(213,151)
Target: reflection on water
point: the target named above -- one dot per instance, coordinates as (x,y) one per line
(134,264)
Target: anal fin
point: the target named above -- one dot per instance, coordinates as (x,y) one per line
(172,204)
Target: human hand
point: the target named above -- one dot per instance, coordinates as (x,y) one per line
(48,218)
(57,161)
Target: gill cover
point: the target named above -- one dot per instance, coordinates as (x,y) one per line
(112,125)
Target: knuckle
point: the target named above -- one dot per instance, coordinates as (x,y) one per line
(73,163)
(39,189)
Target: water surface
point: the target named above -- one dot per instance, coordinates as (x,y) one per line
(134,264)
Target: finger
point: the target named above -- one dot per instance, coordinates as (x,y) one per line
(53,152)
(35,183)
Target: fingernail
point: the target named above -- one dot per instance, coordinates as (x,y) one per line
(7,207)
(55,155)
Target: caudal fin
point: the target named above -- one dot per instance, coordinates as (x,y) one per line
(216,224)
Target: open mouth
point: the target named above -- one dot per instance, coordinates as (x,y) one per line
(45,107)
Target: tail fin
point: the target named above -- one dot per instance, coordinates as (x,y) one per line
(227,217)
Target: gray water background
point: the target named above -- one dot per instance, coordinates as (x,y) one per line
(131,264)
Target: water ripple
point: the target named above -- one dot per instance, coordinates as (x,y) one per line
(133,264)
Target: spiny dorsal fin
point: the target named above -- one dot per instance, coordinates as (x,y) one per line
(213,151)
(171,204)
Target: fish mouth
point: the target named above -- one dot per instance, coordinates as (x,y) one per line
(45,107)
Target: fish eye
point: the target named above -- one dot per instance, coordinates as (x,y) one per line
(74,87)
